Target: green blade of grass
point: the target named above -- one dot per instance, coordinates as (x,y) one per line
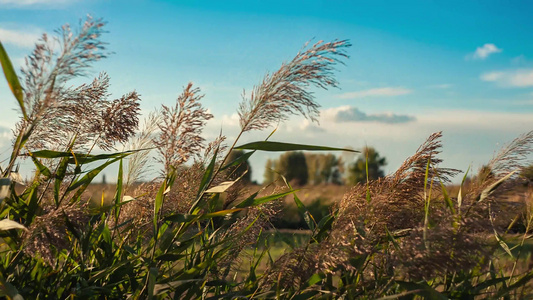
(447,199)
(252,201)
(392,239)
(502,243)
(238,160)
(42,168)
(118,192)
(12,79)
(59,176)
(89,176)
(32,199)
(422,289)
(324,227)
(81,158)
(206,181)
(182,218)
(460,193)
(278,146)
(158,202)
(302,209)
(518,284)
(7,289)
(486,192)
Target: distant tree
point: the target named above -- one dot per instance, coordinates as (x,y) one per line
(357,170)
(337,176)
(270,174)
(293,166)
(313,168)
(324,168)
(237,171)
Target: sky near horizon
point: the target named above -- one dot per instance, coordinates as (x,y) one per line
(415,67)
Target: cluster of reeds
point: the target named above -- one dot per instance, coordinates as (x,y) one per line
(184,234)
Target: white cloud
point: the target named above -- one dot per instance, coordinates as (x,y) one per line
(470,138)
(485,51)
(25,39)
(378,92)
(492,76)
(232,120)
(353,114)
(311,127)
(5,133)
(512,78)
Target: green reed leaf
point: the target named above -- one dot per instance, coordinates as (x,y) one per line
(422,289)
(7,289)
(119,191)
(84,182)
(42,168)
(12,79)
(279,146)
(486,192)
(238,160)
(59,176)
(447,198)
(182,218)
(79,158)
(251,201)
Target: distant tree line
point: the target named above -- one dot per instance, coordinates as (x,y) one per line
(311,168)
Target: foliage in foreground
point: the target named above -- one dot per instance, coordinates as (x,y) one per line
(183,235)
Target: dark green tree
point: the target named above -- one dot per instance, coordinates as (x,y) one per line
(357,170)
(324,168)
(240,169)
(293,166)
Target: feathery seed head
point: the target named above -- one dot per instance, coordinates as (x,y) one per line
(284,92)
(180,129)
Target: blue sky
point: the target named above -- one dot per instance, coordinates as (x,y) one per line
(415,67)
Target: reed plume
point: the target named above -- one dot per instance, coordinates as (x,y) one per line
(285,93)
(180,129)
(138,162)
(60,118)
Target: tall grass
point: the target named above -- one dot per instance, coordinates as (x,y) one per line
(185,234)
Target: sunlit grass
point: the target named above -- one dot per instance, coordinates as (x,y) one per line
(197,232)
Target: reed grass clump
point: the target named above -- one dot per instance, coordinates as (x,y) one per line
(186,233)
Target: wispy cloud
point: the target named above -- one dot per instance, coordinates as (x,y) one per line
(484,52)
(5,133)
(512,78)
(20,38)
(353,114)
(442,86)
(310,127)
(523,102)
(378,92)
(488,129)
(520,59)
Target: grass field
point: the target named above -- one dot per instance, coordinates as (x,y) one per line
(198,232)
